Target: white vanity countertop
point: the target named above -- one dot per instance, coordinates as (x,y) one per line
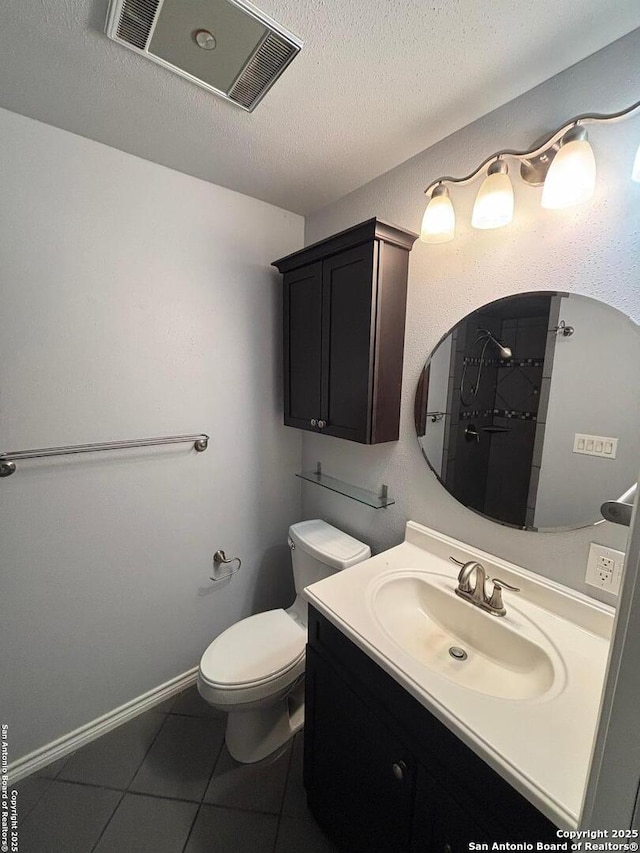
(541,746)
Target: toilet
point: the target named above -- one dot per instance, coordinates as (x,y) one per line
(255,669)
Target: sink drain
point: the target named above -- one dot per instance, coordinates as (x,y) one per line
(458,653)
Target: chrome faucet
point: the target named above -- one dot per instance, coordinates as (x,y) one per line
(477,594)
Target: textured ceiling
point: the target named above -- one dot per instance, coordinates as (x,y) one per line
(377,81)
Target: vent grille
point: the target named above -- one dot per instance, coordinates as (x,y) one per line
(136,21)
(162,31)
(271,58)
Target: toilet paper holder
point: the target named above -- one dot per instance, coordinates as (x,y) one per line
(220,558)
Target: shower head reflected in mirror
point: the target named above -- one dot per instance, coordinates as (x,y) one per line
(504,352)
(483,336)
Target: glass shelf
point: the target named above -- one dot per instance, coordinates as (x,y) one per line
(363,496)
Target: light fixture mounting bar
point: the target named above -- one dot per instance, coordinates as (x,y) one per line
(540,148)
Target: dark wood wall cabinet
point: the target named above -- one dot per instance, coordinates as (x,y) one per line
(383,775)
(345,302)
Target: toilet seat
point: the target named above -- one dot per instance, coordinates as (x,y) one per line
(262,649)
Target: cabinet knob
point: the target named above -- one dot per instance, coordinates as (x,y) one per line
(399,769)
(313,422)
(322,424)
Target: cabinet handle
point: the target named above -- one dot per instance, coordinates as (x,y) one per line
(313,422)
(399,769)
(322,424)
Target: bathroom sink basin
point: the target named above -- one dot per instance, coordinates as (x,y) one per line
(504,657)
(526,694)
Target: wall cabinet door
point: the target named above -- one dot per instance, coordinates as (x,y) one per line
(303,346)
(348,332)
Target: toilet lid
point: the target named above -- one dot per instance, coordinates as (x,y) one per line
(254,649)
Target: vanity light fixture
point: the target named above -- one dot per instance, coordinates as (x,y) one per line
(439,220)
(494,203)
(571,178)
(562,163)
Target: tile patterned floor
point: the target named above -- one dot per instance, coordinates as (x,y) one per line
(165,783)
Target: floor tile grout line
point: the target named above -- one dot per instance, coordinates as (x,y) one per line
(213,770)
(67,759)
(190,833)
(284,794)
(133,776)
(275,840)
(42,774)
(49,782)
(57,778)
(229,808)
(224,807)
(148,750)
(104,828)
(123,792)
(204,794)
(286,781)
(93,785)
(126,791)
(193,716)
(181,799)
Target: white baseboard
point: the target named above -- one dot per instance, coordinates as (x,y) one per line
(51,752)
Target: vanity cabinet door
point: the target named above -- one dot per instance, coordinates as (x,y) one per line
(454,829)
(360,778)
(441,824)
(359,724)
(303,346)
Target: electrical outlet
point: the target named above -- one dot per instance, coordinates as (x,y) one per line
(604,568)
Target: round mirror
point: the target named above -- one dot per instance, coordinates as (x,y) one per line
(528,410)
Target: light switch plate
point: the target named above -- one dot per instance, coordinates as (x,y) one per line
(595,445)
(604,568)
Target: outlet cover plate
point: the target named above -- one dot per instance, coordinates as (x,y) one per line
(595,445)
(604,568)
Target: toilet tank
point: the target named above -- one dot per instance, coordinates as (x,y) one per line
(318,550)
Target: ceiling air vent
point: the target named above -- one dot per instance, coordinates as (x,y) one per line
(226,46)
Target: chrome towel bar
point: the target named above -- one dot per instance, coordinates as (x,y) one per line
(8,459)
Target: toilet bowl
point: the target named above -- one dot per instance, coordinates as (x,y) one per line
(255,669)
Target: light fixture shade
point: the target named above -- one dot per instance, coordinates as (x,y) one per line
(439,220)
(635,173)
(493,207)
(571,178)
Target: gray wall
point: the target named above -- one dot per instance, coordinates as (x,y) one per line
(593,249)
(594,390)
(136,301)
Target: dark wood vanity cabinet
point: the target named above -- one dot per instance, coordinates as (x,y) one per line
(383,775)
(344,316)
